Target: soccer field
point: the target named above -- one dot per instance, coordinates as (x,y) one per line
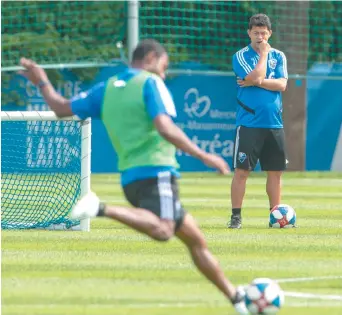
(113,270)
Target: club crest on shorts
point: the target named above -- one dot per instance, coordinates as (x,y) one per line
(272,63)
(242,157)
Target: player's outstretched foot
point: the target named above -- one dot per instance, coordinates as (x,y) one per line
(86,207)
(235,222)
(239,301)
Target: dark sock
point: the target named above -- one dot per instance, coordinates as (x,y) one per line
(102,208)
(236,211)
(237,298)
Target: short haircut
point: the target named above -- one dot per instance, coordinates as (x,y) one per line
(259,20)
(145,47)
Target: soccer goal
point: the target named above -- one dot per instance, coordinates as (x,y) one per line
(45,168)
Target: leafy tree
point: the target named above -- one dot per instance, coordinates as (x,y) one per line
(60,32)
(325,43)
(207,32)
(210,32)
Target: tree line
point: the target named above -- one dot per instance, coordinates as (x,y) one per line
(207,32)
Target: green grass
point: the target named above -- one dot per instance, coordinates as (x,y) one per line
(113,270)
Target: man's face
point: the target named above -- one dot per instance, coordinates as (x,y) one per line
(162,65)
(158,65)
(258,34)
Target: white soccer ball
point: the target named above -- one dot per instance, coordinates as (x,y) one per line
(264,296)
(282,216)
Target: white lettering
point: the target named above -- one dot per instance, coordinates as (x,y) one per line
(47,146)
(205,144)
(214,113)
(271,75)
(66,88)
(194,125)
(215,144)
(223,148)
(37,106)
(31,90)
(77,87)
(58,155)
(29,154)
(41,156)
(69,152)
(228,148)
(65,128)
(58,127)
(50,152)
(68,128)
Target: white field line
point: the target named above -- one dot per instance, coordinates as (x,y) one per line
(325,297)
(189,305)
(226,181)
(110,198)
(310,304)
(307,279)
(317,296)
(322,300)
(215,201)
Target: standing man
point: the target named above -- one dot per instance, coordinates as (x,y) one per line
(137,109)
(261,77)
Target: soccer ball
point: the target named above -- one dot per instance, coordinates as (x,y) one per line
(264,296)
(282,216)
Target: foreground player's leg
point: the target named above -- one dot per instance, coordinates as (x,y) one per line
(273,187)
(139,219)
(238,189)
(193,238)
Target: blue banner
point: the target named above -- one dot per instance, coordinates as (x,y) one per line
(205,112)
(205,107)
(324,119)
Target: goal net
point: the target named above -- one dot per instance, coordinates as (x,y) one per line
(45,168)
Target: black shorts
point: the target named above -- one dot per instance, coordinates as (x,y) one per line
(266,145)
(159,195)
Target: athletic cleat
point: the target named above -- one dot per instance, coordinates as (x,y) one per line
(239,301)
(86,207)
(235,222)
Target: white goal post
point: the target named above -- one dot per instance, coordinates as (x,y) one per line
(45,169)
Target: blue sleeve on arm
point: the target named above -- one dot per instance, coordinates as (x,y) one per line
(89,103)
(153,99)
(240,66)
(281,69)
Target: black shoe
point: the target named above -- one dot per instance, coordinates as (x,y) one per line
(239,301)
(235,222)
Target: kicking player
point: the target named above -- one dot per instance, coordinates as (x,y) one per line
(137,109)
